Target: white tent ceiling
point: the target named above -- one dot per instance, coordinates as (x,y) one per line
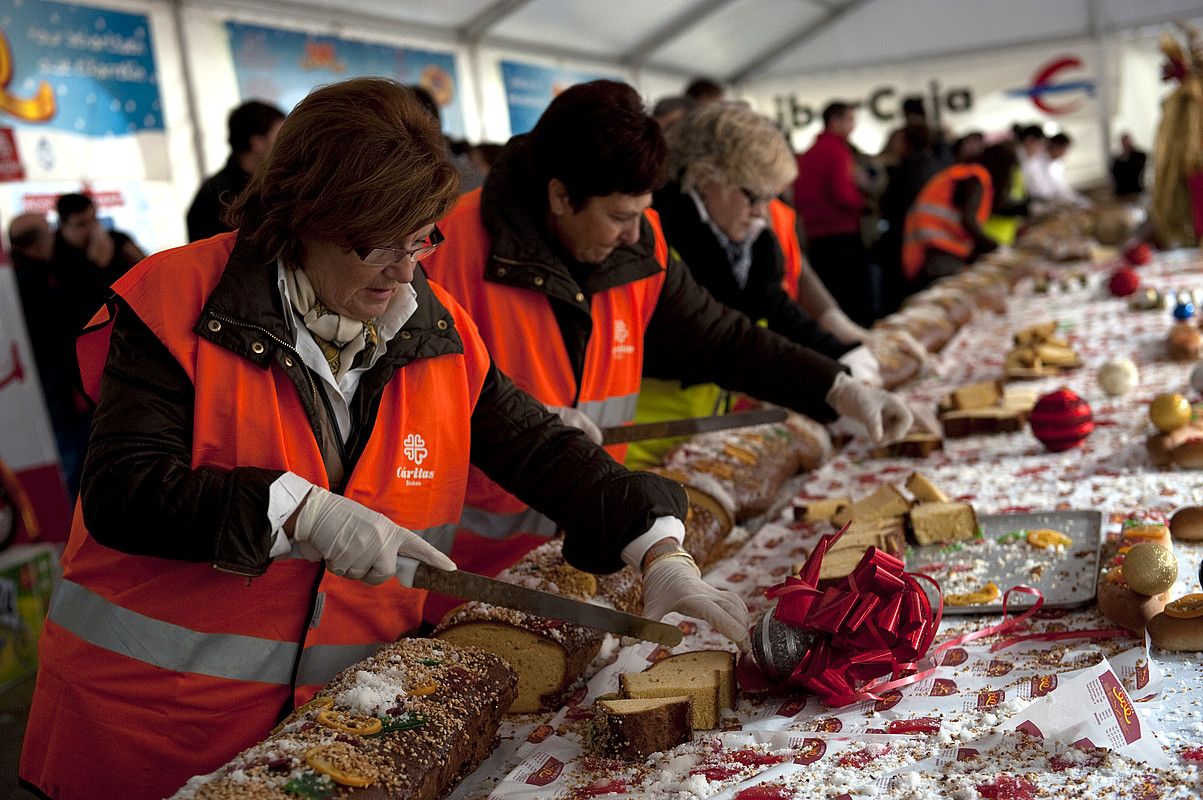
(737,41)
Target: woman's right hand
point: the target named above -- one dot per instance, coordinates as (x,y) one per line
(355,541)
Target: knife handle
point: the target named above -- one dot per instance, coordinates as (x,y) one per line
(407,570)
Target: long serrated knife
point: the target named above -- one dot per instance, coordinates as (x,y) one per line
(684,427)
(471,586)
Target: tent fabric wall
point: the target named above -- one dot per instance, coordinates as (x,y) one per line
(190,39)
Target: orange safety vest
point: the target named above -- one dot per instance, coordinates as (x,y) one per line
(520,329)
(934,221)
(153,670)
(783,221)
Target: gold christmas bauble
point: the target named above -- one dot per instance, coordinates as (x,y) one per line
(1169,412)
(1150,568)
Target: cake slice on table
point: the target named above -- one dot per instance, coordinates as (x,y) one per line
(886,502)
(701,687)
(822,510)
(943,522)
(846,553)
(976,395)
(634,729)
(702,662)
(924,490)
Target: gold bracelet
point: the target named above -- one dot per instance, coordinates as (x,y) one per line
(676,554)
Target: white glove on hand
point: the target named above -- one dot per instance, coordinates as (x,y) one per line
(675,584)
(864,365)
(355,541)
(836,322)
(575,418)
(884,415)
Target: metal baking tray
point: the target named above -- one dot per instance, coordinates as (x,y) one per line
(1067,582)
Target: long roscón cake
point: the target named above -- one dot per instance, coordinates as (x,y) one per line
(409,722)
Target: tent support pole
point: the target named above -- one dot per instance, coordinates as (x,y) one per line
(1104,82)
(198,140)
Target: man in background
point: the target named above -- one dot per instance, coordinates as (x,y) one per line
(830,204)
(1058,147)
(1128,168)
(252,130)
(47,297)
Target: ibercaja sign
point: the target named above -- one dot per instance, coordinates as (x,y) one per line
(883,103)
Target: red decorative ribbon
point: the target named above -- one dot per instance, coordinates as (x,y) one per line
(875,622)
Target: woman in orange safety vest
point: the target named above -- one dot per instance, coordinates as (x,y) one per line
(296,388)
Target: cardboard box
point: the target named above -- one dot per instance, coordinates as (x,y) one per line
(28,574)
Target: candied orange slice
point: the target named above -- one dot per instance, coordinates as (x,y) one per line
(740,454)
(1186,607)
(341,762)
(982,596)
(357,724)
(299,711)
(1144,532)
(422,691)
(1046,537)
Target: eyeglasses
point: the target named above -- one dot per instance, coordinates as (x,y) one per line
(756,199)
(386,256)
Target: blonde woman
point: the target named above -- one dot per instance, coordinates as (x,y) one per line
(720,213)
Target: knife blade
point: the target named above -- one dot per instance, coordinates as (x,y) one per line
(683,427)
(471,586)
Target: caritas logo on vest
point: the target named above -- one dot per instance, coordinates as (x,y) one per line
(414,449)
(621,334)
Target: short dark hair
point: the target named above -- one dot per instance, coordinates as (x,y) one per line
(1060,140)
(703,89)
(252,118)
(69,205)
(914,105)
(835,109)
(1030,132)
(356,163)
(597,140)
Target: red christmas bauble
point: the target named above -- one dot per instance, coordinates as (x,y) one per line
(1138,254)
(1124,281)
(1061,420)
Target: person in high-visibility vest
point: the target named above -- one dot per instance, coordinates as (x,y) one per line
(566,271)
(283,412)
(720,212)
(943,231)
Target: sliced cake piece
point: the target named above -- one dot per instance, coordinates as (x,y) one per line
(975,395)
(886,502)
(943,522)
(820,510)
(634,729)
(924,490)
(702,689)
(702,662)
(888,535)
(914,445)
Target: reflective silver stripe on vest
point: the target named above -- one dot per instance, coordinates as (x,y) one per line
(164,644)
(922,235)
(498,526)
(943,212)
(321,662)
(611,411)
(441,536)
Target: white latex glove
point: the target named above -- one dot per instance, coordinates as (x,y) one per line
(863,364)
(886,417)
(675,584)
(836,322)
(575,418)
(355,541)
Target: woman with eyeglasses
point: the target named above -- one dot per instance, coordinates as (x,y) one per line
(720,213)
(284,411)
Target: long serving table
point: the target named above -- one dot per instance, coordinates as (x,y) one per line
(952,734)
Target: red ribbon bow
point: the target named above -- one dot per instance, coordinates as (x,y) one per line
(877,621)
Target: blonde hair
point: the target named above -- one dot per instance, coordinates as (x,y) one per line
(730,143)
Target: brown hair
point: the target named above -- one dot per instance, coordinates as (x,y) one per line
(358,163)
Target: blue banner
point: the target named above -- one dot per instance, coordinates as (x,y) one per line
(530,88)
(77,69)
(283,66)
